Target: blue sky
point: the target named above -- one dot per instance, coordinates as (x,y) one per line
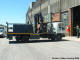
(13,11)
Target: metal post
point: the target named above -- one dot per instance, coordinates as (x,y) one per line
(60,10)
(49,17)
(60,14)
(31,10)
(7,29)
(40,5)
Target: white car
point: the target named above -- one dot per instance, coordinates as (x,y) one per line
(2,33)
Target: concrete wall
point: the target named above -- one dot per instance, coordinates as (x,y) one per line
(56,17)
(57,6)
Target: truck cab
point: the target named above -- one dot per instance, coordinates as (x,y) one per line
(58,27)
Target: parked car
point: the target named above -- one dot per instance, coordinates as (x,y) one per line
(3,32)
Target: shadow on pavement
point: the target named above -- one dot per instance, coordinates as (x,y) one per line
(34,41)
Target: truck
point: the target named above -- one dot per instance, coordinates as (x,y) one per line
(23,32)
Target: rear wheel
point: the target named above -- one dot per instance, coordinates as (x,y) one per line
(18,38)
(25,39)
(53,38)
(59,37)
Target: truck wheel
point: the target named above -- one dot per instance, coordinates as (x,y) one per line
(58,38)
(25,39)
(17,39)
(53,38)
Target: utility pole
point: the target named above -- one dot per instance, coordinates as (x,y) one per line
(49,12)
(40,5)
(49,17)
(60,13)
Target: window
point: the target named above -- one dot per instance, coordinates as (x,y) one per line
(64,19)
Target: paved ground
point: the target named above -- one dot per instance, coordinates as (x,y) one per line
(72,38)
(39,50)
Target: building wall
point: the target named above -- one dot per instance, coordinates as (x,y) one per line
(70,21)
(57,6)
(56,17)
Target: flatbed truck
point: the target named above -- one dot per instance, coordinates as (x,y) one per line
(23,32)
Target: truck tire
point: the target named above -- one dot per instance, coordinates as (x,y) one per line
(25,39)
(59,38)
(17,39)
(53,38)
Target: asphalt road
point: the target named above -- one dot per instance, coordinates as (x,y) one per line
(39,50)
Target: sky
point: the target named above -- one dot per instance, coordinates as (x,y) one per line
(13,11)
